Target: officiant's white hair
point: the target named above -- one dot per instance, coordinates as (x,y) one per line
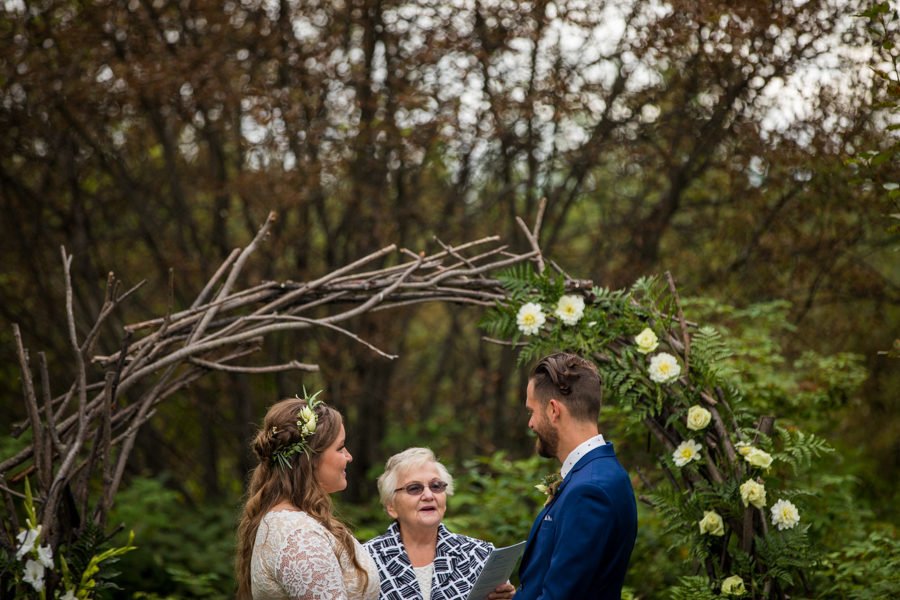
(401,462)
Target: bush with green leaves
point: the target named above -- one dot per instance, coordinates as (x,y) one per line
(738,491)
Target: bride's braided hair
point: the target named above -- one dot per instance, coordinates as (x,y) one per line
(271,484)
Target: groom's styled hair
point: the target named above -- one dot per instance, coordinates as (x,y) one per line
(572,380)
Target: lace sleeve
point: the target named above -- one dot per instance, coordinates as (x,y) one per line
(308,568)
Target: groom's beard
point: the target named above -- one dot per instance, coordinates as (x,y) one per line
(547,441)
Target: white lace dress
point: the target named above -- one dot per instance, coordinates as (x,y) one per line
(296,558)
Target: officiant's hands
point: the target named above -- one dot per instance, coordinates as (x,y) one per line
(502,592)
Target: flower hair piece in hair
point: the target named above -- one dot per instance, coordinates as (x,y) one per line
(306,426)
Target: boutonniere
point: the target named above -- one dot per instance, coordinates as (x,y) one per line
(549,485)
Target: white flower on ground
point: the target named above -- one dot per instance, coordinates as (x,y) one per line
(27,539)
(753,493)
(758,458)
(785,515)
(570,309)
(34,574)
(711,523)
(698,417)
(686,451)
(45,556)
(646,341)
(664,368)
(530,318)
(69,595)
(733,586)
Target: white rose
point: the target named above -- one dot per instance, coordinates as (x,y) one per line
(646,341)
(785,515)
(664,368)
(753,493)
(758,458)
(686,451)
(698,417)
(711,523)
(530,318)
(733,586)
(570,309)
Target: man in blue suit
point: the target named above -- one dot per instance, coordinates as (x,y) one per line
(580,543)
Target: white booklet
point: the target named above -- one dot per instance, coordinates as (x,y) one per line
(497,569)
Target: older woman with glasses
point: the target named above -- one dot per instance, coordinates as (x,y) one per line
(418,558)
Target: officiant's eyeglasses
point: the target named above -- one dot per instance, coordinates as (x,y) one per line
(414,489)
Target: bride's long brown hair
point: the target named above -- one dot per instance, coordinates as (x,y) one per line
(270,484)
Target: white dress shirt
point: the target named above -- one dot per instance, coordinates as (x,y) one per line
(579,451)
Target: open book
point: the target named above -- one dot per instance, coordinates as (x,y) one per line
(496,571)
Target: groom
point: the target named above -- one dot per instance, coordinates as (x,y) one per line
(581,541)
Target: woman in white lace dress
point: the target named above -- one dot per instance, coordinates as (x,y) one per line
(290,545)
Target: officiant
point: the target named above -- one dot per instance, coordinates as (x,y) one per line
(418,558)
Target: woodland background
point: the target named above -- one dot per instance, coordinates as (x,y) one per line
(746,147)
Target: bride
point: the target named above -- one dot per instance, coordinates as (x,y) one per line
(290,545)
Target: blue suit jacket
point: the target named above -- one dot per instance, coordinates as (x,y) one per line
(580,544)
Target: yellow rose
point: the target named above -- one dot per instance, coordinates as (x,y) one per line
(646,341)
(733,586)
(758,458)
(711,523)
(753,493)
(698,417)
(743,448)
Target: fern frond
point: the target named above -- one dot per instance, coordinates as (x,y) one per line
(520,280)
(800,448)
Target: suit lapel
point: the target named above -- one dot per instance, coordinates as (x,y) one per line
(599,452)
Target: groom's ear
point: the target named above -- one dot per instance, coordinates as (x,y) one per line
(554,410)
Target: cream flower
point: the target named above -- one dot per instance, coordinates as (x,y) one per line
(753,493)
(664,368)
(698,417)
(45,556)
(686,451)
(34,574)
(69,595)
(307,421)
(711,523)
(646,341)
(743,448)
(570,309)
(758,458)
(733,586)
(530,318)
(28,538)
(785,515)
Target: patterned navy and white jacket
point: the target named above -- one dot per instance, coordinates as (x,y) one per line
(458,561)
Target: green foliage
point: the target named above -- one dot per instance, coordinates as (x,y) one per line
(866,569)
(693,588)
(800,448)
(184,551)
